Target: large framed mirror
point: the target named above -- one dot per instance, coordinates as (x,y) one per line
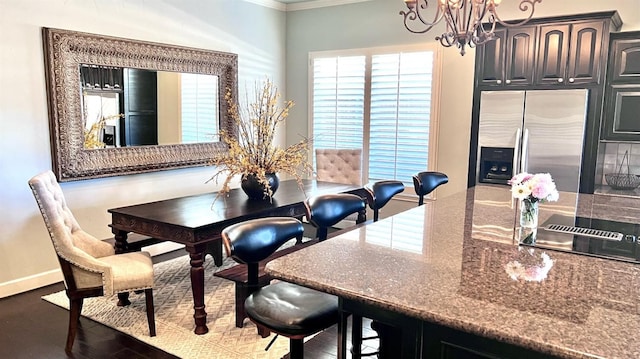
(119,106)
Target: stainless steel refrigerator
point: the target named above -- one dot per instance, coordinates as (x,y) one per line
(533,131)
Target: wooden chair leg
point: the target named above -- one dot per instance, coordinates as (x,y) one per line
(75,307)
(123,299)
(148,294)
(296,349)
(263,331)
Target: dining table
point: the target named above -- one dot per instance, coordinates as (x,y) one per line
(197,222)
(452,279)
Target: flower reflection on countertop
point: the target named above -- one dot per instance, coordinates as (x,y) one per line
(529,267)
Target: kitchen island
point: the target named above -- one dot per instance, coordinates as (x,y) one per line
(455,292)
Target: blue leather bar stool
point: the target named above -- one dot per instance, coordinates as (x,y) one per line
(425,182)
(380,193)
(326,210)
(284,308)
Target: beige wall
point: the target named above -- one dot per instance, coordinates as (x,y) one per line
(169,110)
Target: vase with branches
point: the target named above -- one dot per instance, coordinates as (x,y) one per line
(251,152)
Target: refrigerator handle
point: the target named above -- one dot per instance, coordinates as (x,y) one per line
(516,154)
(515,164)
(525,149)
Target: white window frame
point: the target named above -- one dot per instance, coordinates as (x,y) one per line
(408,194)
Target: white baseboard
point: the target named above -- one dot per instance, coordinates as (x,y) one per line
(39,280)
(26,284)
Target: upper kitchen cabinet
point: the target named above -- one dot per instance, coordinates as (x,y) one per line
(624,58)
(571,53)
(547,52)
(508,60)
(621,115)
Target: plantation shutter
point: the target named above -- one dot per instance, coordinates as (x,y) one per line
(379,102)
(199,108)
(338,102)
(400,115)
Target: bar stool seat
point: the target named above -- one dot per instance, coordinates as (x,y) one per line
(292,310)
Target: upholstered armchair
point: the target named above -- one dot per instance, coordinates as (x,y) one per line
(90,266)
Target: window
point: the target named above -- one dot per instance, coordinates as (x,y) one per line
(199,108)
(379,100)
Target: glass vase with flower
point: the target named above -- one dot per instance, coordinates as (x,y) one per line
(530,190)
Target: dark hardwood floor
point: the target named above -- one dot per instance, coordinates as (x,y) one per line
(33,328)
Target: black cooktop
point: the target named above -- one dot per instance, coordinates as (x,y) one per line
(590,236)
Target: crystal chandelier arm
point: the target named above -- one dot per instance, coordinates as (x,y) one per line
(525,5)
(415,13)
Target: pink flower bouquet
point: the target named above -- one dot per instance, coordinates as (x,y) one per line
(537,187)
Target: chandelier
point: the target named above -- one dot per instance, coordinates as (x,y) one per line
(463,18)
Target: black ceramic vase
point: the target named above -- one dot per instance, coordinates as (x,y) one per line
(255,190)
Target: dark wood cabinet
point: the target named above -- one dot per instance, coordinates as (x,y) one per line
(625,58)
(547,53)
(570,53)
(508,60)
(621,115)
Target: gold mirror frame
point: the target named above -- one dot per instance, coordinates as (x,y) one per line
(64,52)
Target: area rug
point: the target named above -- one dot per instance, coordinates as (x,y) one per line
(174,316)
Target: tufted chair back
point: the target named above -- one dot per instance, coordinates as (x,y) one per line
(70,242)
(339,165)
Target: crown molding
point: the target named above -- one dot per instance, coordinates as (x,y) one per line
(306,5)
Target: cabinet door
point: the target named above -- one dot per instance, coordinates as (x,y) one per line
(552,54)
(584,55)
(520,59)
(625,60)
(621,118)
(508,59)
(490,60)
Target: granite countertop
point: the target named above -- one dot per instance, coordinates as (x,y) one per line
(428,264)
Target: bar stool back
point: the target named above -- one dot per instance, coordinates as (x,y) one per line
(380,193)
(425,182)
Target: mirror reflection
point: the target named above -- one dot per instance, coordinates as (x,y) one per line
(135,107)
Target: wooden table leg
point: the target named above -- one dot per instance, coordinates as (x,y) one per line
(197,288)
(214,248)
(121,247)
(342,332)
